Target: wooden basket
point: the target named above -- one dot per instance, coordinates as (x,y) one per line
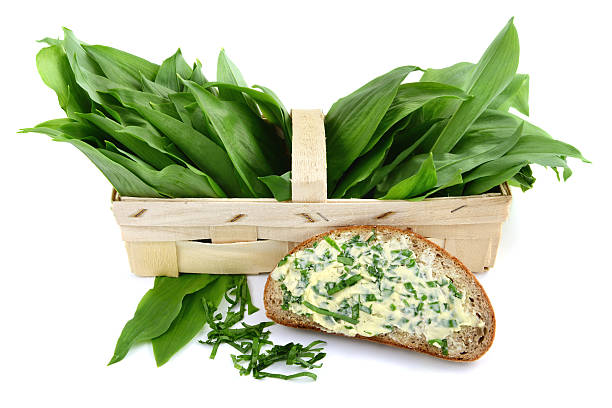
(250,235)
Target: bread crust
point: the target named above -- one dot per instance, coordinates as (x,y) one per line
(387,338)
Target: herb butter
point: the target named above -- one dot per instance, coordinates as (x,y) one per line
(358,285)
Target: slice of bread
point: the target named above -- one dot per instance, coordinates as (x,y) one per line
(467,344)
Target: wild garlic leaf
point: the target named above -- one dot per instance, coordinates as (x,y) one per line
(504,123)
(54,69)
(88,74)
(228,72)
(457,75)
(423,180)
(205,154)
(197,75)
(363,166)
(472,151)
(190,320)
(121,67)
(280,186)
(173,181)
(250,143)
(191,114)
(492,74)
(286,118)
(155,157)
(157,310)
(523,179)
(516,95)
(271,108)
(124,181)
(406,163)
(170,68)
(408,99)
(152,87)
(352,120)
(529,149)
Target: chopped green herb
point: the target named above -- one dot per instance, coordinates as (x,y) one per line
(377,248)
(432,284)
(283,261)
(442,343)
(372,237)
(410,288)
(355,311)
(420,307)
(375,272)
(365,309)
(329,313)
(288,298)
(345,260)
(451,323)
(371,298)
(332,243)
(392,307)
(343,284)
(454,290)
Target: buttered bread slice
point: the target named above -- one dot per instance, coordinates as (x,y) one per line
(386,285)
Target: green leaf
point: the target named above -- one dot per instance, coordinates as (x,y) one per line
(529,149)
(516,95)
(280,186)
(250,144)
(131,97)
(191,114)
(228,72)
(352,121)
(157,310)
(170,68)
(492,74)
(270,106)
(409,98)
(174,181)
(416,184)
(124,181)
(54,69)
(190,320)
(405,164)
(504,122)
(197,75)
(363,166)
(472,151)
(87,73)
(204,153)
(121,67)
(286,118)
(459,76)
(153,156)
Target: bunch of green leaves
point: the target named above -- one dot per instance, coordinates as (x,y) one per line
(250,341)
(165,130)
(448,134)
(173,313)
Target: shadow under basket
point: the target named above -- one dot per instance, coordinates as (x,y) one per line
(165,237)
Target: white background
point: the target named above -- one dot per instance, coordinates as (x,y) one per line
(66,289)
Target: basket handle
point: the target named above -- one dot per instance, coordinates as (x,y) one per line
(308,157)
